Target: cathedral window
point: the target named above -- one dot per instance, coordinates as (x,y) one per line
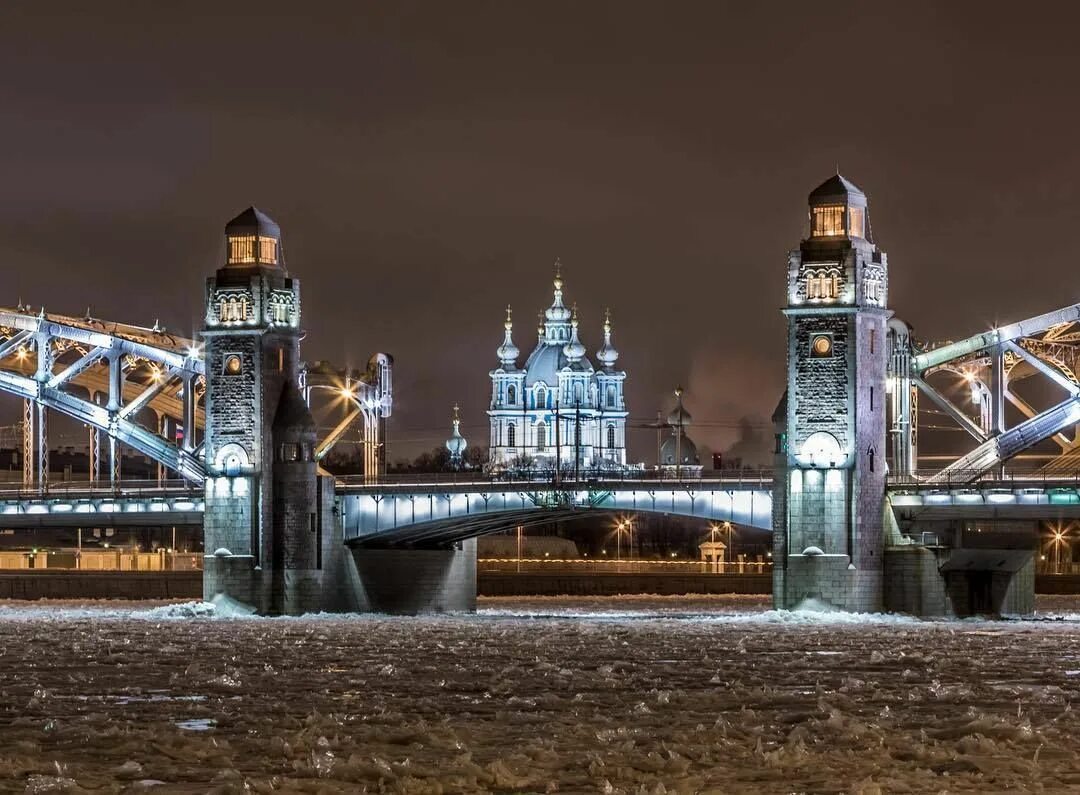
(611,396)
(541,437)
(827,221)
(511,435)
(268,250)
(579,394)
(857,220)
(511,394)
(611,437)
(541,397)
(241,249)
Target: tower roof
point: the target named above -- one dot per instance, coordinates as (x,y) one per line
(292,412)
(253,221)
(780,412)
(837,190)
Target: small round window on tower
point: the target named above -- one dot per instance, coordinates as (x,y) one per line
(821,345)
(233,365)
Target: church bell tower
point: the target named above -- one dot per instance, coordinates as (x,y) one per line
(829,487)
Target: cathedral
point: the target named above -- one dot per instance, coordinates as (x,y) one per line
(558,407)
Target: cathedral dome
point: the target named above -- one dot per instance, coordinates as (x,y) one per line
(679,416)
(456,444)
(673,449)
(508,352)
(607,355)
(545,363)
(574,350)
(557,313)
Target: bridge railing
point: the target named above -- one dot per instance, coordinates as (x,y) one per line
(761,478)
(982,479)
(86,488)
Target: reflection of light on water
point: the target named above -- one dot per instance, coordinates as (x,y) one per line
(196,724)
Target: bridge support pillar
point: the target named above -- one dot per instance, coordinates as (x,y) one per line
(829,482)
(412,581)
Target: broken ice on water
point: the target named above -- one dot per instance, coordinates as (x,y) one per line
(639,694)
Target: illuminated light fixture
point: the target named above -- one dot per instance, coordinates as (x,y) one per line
(821,449)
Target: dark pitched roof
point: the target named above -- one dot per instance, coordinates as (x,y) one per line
(253,221)
(292,411)
(780,414)
(835,187)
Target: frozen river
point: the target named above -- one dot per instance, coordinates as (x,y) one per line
(531,695)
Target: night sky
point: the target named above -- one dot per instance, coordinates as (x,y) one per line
(427,163)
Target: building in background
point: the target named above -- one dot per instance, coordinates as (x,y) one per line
(678,453)
(558,409)
(456,444)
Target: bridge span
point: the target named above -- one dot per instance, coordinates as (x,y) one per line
(439,511)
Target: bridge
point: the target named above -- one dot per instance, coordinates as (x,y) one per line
(226,417)
(449,510)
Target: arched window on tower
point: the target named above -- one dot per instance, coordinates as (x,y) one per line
(511,394)
(511,435)
(823,285)
(541,437)
(611,437)
(541,397)
(579,394)
(610,399)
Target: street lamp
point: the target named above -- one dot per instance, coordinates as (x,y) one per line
(623,526)
(1060,538)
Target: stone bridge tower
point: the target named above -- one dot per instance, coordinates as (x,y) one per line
(829,492)
(265,519)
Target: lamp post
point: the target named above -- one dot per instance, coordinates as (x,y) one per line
(713,530)
(623,526)
(730,539)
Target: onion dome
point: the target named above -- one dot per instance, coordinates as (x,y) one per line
(557,313)
(574,350)
(607,355)
(679,417)
(508,352)
(456,444)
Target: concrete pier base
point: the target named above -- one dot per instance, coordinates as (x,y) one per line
(411,581)
(235,580)
(940,582)
(827,581)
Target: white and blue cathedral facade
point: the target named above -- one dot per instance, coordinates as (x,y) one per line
(557,410)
